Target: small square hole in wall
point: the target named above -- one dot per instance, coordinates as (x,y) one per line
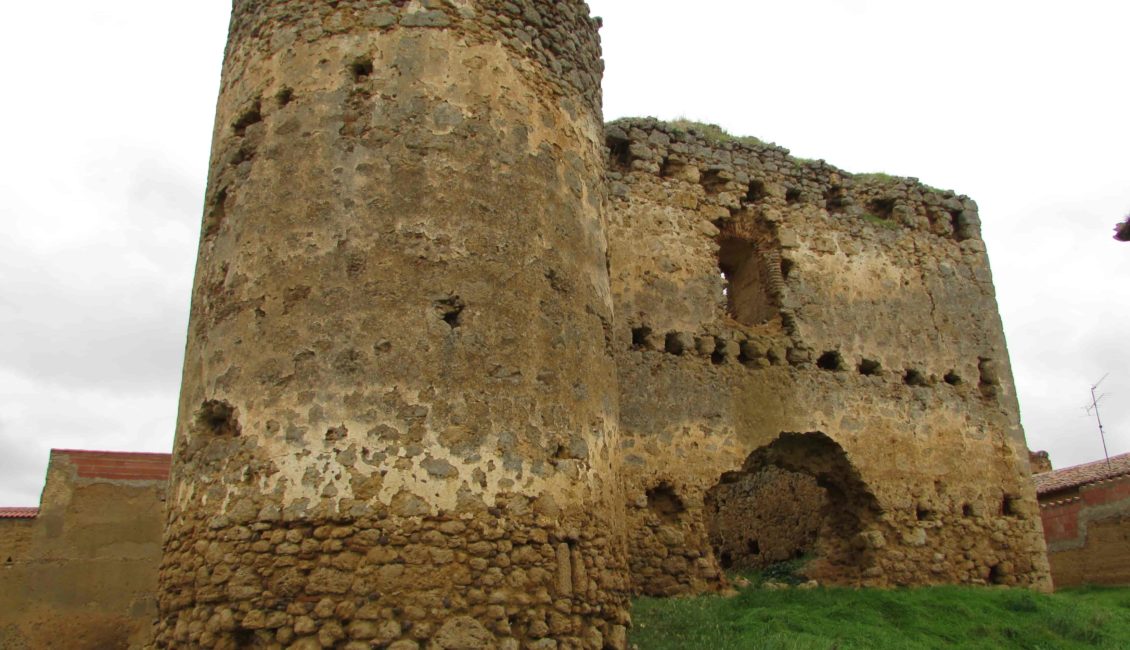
(1010,505)
(952,378)
(870,367)
(792,196)
(914,377)
(830,360)
(641,338)
(756,192)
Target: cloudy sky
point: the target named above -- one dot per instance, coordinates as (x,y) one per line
(1019,104)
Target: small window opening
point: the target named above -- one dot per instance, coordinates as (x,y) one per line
(665,502)
(641,338)
(914,377)
(218,418)
(830,360)
(792,196)
(882,208)
(285,96)
(1010,505)
(251,116)
(787,267)
(714,180)
(450,310)
(952,378)
(745,282)
(996,576)
(361,69)
(726,560)
(718,357)
(869,367)
(753,547)
(922,513)
(756,192)
(966,510)
(673,344)
(957,220)
(834,200)
(620,153)
(671,167)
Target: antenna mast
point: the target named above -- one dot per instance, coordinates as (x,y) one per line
(1095,408)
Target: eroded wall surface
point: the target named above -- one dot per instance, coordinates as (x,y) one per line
(1088,533)
(757,294)
(83,574)
(398,422)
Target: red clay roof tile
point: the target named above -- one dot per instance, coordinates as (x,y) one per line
(1071,477)
(19,513)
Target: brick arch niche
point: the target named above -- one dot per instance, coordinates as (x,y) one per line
(799,496)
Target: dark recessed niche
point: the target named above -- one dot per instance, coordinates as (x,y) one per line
(1010,505)
(360,69)
(756,192)
(952,378)
(792,196)
(870,367)
(217,417)
(641,337)
(830,360)
(914,377)
(787,268)
(673,344)
(966,510)
(620,153)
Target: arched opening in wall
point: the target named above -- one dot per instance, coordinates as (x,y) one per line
(746,281)
(798,497)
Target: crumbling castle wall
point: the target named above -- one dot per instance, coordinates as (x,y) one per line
(399,423)
(778,312)
(81,572)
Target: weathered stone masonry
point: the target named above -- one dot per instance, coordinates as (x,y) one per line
(398,420)
(438,330)
(775,314)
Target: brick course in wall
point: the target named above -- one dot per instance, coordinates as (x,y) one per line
(1086,518)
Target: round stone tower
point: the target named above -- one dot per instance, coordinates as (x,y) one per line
(398,419)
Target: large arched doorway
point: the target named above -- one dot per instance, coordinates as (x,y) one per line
(798,496)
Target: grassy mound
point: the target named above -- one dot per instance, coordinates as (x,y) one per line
(844,619)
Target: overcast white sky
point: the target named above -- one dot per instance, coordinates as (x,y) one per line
(1020,104)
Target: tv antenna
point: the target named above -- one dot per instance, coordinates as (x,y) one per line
(1094,408)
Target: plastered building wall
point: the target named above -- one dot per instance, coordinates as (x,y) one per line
(758,295)
(1087,527)
(82,574)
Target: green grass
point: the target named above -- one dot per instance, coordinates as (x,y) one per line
(713,133)
(910,619)
(879,221)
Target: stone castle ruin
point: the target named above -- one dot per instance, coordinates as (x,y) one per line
(466,368)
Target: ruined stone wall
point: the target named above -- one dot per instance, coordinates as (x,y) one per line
(83,573)
(1088,533)
(398,421)
(759,519)
(758,294)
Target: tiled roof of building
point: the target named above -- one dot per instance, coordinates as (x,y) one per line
(118,465)
(19,513)
(1071,477)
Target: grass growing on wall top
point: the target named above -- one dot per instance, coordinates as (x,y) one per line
(905,619)
(712,132)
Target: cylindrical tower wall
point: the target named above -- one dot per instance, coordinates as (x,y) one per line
(398,418)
